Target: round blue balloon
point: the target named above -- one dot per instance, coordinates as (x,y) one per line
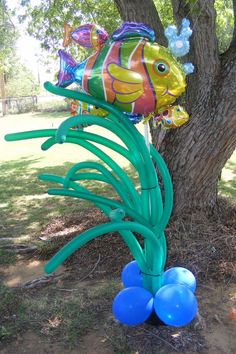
(131,275)
(175,305)
(132,306)
(179,275)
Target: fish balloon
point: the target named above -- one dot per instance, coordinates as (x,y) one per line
(171,117)
(129,70)
(89,35)
(79,107)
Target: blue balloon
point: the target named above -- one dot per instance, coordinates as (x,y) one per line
(131,275)
(175,305)
(179,275)
(132,306)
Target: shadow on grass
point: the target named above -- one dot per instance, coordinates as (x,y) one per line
(25,205)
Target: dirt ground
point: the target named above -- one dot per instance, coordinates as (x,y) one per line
(88,282)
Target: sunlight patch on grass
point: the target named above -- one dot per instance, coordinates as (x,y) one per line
(227,184)
(37,197)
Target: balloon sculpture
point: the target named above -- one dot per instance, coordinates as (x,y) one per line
(128,78)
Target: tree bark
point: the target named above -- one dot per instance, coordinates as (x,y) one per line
(197,152)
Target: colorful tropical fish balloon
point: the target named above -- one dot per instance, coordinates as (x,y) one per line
(89,36)
(128,70)
(78,107)
(171,117)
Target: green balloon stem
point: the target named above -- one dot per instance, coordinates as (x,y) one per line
(148,210)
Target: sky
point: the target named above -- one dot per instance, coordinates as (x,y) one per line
(28,47)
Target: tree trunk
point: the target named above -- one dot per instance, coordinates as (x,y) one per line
(2,94)
(142,11)
(197,152)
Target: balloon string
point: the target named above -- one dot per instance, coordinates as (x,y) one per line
(191,8)
(146,136)
(199,13)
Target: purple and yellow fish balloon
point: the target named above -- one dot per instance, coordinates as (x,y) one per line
(129,70)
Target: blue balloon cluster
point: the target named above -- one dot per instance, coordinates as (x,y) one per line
(174,303)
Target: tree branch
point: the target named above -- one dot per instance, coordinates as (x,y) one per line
(228,58)
(233,42)
(145,11)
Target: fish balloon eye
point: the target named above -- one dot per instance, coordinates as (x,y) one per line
(162,68)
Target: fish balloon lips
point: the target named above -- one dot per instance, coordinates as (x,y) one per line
(133,73)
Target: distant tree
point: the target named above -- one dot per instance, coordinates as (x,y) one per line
(20,81)
(8,36)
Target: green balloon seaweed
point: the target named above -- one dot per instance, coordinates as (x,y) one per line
(147,210)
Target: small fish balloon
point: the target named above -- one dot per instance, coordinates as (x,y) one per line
(172,117)
(89,36)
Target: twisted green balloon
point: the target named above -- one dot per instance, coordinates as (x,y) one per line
(148,211)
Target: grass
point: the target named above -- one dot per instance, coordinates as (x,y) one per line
(9,306)
(57,315)
(7,257)
(64,316)
(227,184)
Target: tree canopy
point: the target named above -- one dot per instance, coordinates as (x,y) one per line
(16,78)
(8,37)
(19,80)
(46,20)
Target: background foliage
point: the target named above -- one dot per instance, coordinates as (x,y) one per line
(19,80)
(8,37)
(45,21)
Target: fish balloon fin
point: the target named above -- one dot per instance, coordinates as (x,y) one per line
(67,35)
(133,29)
(127,84)
(67,66)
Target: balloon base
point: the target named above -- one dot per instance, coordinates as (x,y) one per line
(154,320)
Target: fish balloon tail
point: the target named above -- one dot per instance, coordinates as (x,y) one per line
(68,65)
